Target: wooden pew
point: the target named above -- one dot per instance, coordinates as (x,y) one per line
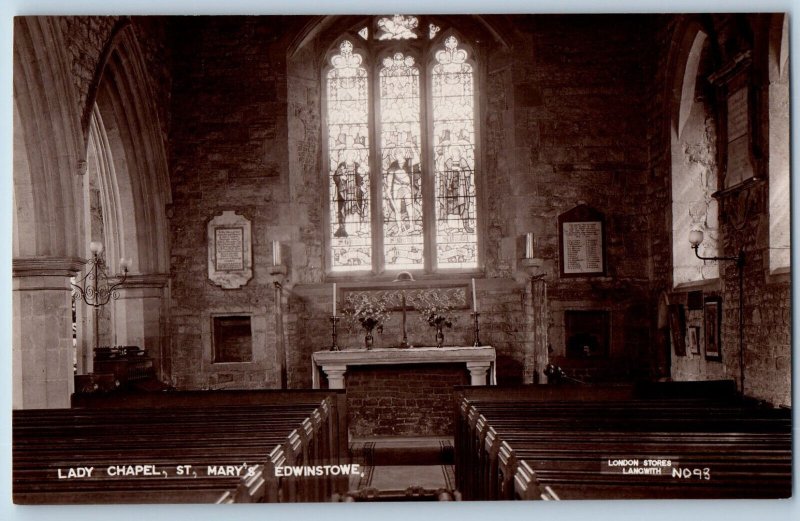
(264,429)
(535,442)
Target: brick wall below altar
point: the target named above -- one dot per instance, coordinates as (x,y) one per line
(402,400)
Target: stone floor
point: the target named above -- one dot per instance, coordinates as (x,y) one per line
(418,465)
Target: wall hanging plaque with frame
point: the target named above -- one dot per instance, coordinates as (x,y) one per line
(581,242)
(712,322)
(694,340)
(230,250)
(736,109)
(677,326)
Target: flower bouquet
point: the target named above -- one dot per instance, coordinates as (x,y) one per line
(436,309)
(368,312)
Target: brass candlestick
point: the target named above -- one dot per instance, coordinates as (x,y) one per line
(404,342)
(476,330)
(404,277)
(334,345)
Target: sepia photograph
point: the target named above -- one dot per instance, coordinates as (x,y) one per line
(352,258)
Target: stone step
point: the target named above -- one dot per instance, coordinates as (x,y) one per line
(403,451)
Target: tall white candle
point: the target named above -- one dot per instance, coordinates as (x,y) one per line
(474,297)
(529,245)
(276,253)
(334,299)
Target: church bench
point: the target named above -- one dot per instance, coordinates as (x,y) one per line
(605,487)
(495,463)
(763,468)
(210,494)
(514,443)
(196,428)
(235,444)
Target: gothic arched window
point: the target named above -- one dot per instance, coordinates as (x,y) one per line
(694,165)
(400,109)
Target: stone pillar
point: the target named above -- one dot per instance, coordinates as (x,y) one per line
(138,317)
(42,350)
(541,324)
(477,372)
(335,375)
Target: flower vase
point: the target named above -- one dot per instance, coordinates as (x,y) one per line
(368,340)
(439,335)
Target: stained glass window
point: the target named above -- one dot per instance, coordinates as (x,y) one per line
(400,163)
(348,146)
(454,157)
(423,194)
(398,27)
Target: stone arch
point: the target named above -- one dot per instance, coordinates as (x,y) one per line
(138,180)
(128,158)
(48,158)
(49,126)
(693,157)
(778,99)
(24,215)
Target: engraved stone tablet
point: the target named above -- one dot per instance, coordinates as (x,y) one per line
(583,247)
(739,165)
(229,244)
(230,251)
(582,242)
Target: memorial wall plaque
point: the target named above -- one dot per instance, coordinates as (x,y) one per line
(229,243)
(735,106)
(739,165)
(230,257)
(582,242)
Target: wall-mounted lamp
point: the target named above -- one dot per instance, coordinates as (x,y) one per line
(94,287)
(695,239)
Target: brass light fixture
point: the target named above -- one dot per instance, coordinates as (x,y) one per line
(695,239)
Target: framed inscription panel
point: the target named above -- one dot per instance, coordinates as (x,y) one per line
(736,108)
(739,166)
(229,245)
(581,239)
(230,250)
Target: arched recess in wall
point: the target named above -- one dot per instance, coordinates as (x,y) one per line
(127,168)
(779,144)
(693,131)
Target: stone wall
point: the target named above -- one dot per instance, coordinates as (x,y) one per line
(574,109)
(744,223)
(562,122)
(579,135)
(228,152)
(86,37)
